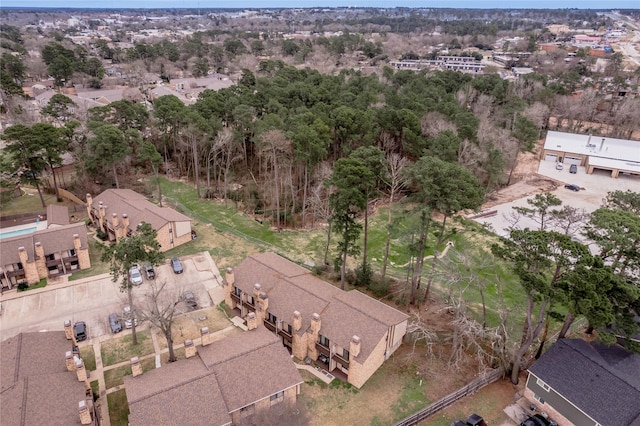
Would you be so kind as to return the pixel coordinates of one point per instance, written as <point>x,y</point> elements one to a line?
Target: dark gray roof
<point>603,382</point>
<point>36,387</point>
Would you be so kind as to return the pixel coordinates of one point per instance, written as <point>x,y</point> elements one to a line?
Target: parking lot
<point>92,299</point>
<point>594,188</point>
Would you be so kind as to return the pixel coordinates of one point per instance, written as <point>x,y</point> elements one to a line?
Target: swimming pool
<point>17,232</point>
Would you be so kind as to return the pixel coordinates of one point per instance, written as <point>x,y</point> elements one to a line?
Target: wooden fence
<point>443,403</point>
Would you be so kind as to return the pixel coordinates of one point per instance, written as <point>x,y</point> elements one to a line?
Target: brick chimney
<point>189,348</point>
<point>77,244</point>
<point>81,371</point>
<point>296,321</point>
<point>205,336</point>
<point>89,199</point>
<point>101,214</point>
<point>252,321</point>
<point>39,250</point>
<point>262,306</point>
<point>136,367</point>
<point>354,346</point>
<point>125,223</point>
<point>256,292</point>
<point>68,330</point>
<point>24,257</point>
<point>315,324</point>
<point>230,277</point>
<point>69,361</point>
<point>84,412</point>
<point>114,220</point>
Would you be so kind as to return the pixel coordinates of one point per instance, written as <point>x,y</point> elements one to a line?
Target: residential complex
<point>347,333</point>
<point>46,249</point>
<point>118,212</point>
<point>227,381</point>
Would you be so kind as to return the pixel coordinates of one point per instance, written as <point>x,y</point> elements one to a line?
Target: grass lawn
<point>97,266</point>
<point>89,357</point>
<point>115,376</point>
<point>488,402</point>
<point>41,283</point>
<point>188,326</point>
<point>118,408</point>
<point>120,349</point>
<point>95,388</point>
<point>30,203</point>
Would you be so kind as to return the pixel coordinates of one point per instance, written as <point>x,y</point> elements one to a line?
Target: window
<point>543,385</point>
<point>289,329</point>
<point>50,256</point>
<point>345,354</point>
<point>537,398</point>
<point>251,300</point>
<point>237,291</point>
<point>272,318</point>
<point>72,252</point>
<point>247,411</point>
<point>277,397</point>
<point>324,341</point>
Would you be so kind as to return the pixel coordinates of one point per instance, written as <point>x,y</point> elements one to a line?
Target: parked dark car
<point>80,331</point>
<point>573,169</point>
<point>535,420</point>
<point>476,420</point>
<point>176,265</point>
<point>114,323</point>
<point>573,187</point>
<point>149,272</point>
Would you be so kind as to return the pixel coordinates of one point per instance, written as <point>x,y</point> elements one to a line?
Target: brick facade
<point>123,210</point>
<point>304,343</point>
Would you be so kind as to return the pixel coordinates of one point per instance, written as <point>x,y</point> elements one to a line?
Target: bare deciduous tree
<point>160,305</point>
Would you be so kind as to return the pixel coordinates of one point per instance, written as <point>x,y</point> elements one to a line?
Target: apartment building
<point>346,333</point>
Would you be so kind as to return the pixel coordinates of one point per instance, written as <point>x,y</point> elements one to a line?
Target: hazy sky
<point>539,4</point>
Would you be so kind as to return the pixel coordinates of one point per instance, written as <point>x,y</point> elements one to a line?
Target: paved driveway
<point>91,300</point>
<point>595,186</point>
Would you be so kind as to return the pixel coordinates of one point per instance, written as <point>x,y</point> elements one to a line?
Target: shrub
<point>364,275</point>
<point>23,286</point>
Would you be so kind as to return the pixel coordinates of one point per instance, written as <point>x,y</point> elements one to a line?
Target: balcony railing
<point>323,349</point>
<point>15,273</point>
<point>269,326</point>
<point>235,297</point>
<point>341,360</point>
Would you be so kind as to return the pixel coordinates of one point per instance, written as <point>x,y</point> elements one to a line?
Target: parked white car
<point>135,276</point>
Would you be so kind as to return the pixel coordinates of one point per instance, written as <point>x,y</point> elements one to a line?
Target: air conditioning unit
<point>545,415</point>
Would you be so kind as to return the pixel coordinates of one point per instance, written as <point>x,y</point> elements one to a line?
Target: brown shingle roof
<point>184,392</point>
<point>226,376</point>
<point>247,377</point>
<point>368,305</point>
<point>53,240</point>
<point>9,248</point>
<point>291,287</point>
<point>36,386</point>
<point>136,206</point>
<point>57,215</point>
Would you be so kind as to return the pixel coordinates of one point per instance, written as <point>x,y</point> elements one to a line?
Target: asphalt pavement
<point>92,299</point>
